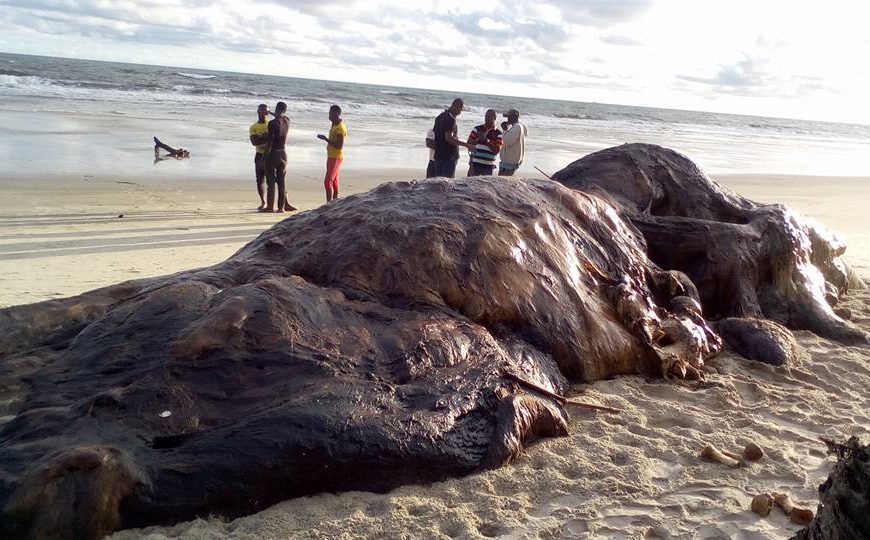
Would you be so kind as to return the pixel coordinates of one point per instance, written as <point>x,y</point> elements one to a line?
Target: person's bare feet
<point>261,207</point>
<point>289,207</point>
<point>265,210</point>
<point>279,211</point>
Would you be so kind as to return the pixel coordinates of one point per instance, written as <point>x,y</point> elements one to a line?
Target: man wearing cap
<point>259,133</point>
<point>514,144</point>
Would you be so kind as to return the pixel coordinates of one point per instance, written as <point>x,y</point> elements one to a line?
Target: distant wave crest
<point>24,81</point>
<point>195,75</point>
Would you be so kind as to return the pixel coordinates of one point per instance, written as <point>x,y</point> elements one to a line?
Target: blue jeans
<point>446,167</point>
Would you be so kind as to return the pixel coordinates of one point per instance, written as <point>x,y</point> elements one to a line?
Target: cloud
<point>754,77</point>
<point>498,30</point>
<point>601,13</point>
<point>744,77</point>
<point>613,39</point>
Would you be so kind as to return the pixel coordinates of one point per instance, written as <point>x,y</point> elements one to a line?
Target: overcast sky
<point>793,58</point>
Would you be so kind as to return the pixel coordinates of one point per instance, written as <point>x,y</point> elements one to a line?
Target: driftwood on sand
<point>366,344</point>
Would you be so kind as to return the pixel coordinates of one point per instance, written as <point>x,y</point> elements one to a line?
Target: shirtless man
<point>276,161</point>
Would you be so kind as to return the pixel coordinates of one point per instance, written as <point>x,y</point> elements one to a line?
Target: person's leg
<point>260,175</point>
<point>327,178</point>
<point>280,177</point>
<point>430,169</point>
<point>336,180</point>
<point>271,179</point>
<point>158,144</point>
<point>506,169</point>
<point>480,170</point>
<point>451,168</point>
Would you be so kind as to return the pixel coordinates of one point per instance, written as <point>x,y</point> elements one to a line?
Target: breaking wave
<point>195,75</point>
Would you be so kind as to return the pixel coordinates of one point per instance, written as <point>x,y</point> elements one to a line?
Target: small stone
<point>761,504</point>
<point>752,452</point>
<point>120,215</point>
<point>801,516</point>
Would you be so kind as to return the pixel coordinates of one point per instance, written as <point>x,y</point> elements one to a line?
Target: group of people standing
<point>270,160</point>
<point>485,144</point>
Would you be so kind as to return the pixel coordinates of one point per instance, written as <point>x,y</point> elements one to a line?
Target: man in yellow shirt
<point>334,152</point>
<point>259,133</point>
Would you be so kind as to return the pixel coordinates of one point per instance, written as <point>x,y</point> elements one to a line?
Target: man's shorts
<point>507,169</point>
<point>260,168</point>
<point>478,169</point>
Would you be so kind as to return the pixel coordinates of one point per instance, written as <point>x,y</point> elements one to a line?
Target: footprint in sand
<point>749,394</point>
<point>492,530</point>
<point>573,528</point>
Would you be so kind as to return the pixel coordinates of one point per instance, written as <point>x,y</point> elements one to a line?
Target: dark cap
<point>512,112</point>
<point>262,107</point>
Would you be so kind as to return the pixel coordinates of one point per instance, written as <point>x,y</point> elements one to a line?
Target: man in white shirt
<point>514,148</point>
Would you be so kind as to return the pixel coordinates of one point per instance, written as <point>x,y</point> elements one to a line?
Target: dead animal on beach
<point>746,259</point>
<point>397,345</point>
<point>377,341</point>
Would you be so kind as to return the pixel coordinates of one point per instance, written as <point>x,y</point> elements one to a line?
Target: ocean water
<point>62,116</point>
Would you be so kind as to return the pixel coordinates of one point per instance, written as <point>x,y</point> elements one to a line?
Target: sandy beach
<point>635,474</point>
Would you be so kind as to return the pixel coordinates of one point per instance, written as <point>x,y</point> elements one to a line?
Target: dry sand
<point>630,475</point>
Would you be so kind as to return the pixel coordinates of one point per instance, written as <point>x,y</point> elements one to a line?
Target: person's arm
<point>494,143</point>
<point>450,136</point>
<point>511,135</point>
<point>259,138</point>
<point>337,143</point>
<point>472,137</point>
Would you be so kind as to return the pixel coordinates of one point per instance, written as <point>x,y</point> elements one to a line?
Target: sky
<point>790,58</point>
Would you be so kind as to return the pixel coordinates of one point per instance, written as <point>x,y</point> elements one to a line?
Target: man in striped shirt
<point>486,140</point>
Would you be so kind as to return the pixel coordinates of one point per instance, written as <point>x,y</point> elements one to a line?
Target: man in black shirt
<point>276,161</point>
<point>446,143</point>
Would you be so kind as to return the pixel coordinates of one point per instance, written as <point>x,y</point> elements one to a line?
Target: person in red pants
<point>334,152</point>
